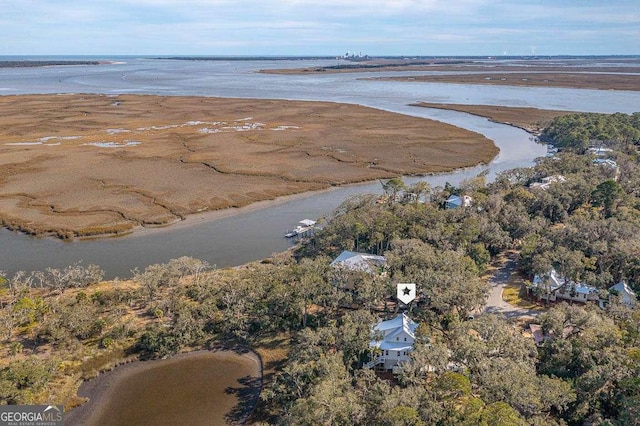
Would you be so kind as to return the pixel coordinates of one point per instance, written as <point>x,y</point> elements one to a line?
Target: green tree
<point>448,279</point>
<point>393,187</point>
<point>403,416</point>
<point>607,195</point>
<point>501,414</point>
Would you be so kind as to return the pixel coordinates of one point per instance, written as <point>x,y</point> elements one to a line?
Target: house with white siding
<point>392,341</point>
<point>552,287</point>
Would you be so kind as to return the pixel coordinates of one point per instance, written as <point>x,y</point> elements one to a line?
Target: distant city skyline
<point>327,28</point>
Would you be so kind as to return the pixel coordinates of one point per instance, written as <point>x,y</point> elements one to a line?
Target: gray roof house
<point>359,261</point>
<point>627,296</point>
<point>553,286</point>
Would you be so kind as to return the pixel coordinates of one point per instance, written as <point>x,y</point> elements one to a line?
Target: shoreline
<point>510,116</point>
<point>212,215</point>
<point>98,390</point>
<point>197,218</point>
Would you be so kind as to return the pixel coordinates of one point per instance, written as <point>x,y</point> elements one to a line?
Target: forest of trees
<point>465,369</point>
<point>579,131</point>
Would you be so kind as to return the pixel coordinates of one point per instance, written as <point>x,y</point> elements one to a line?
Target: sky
<point>320,27</point>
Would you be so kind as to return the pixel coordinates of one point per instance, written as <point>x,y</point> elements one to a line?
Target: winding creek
<point>256,233</point>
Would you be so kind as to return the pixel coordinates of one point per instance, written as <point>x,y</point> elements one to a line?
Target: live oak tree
<point>448,279</point>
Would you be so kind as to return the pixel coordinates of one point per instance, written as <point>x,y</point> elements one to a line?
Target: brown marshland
<point>81,165</point>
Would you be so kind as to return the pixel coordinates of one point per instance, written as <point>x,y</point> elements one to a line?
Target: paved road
<point>498,282</point>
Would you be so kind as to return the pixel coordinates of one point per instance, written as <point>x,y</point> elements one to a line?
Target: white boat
<point>305,225</point>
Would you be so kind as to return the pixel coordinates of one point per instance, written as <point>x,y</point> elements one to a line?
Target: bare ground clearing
<point>81,165</point>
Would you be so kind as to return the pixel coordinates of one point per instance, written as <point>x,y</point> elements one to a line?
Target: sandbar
<point>98,165</point>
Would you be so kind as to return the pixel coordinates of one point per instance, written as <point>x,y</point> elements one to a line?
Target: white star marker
<point>406,292</point>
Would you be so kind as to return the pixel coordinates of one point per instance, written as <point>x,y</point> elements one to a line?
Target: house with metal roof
<point>364,262</point>
<point>624,292</point>
<point>552,286</point>
<point>547,182</point>
<point>454,201</point>
<point>392,341</point>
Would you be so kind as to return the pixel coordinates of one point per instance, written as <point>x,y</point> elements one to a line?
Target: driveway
<point>498,282</point>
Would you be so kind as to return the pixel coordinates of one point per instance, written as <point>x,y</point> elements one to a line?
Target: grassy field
<point>515,294</point>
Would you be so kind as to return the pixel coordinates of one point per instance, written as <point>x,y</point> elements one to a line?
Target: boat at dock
<point>302,228</point>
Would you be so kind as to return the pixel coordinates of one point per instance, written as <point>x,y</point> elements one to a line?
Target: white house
<point>605,162</point>
<point>553,286</point>
<point>392,341</point>
<point>359,261</point>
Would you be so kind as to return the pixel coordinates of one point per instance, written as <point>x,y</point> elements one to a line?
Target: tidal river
<point>256,233</point>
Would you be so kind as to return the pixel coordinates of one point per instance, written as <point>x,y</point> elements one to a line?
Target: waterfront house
<point>392,341</point>
<point>362,262</point>
<point>605,162</point>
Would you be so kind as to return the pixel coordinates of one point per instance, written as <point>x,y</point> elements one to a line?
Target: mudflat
<point>85,165</point>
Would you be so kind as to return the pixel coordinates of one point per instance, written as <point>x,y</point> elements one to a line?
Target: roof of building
<point>391,329</point>
<point>605,162</point>
<point>585,289</point>
<point>359,261</point>
<point>556,281</point>
<point>600,151</point>
<point>454,200</point>
<point>392,346</point>
<point>547,181</point>
<point>627,296</point>
<point>536,332</point>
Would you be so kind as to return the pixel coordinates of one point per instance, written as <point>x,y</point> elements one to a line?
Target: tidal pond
<point>199,388</point>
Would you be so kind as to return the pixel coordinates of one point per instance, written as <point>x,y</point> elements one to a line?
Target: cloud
<point>313,27</point>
